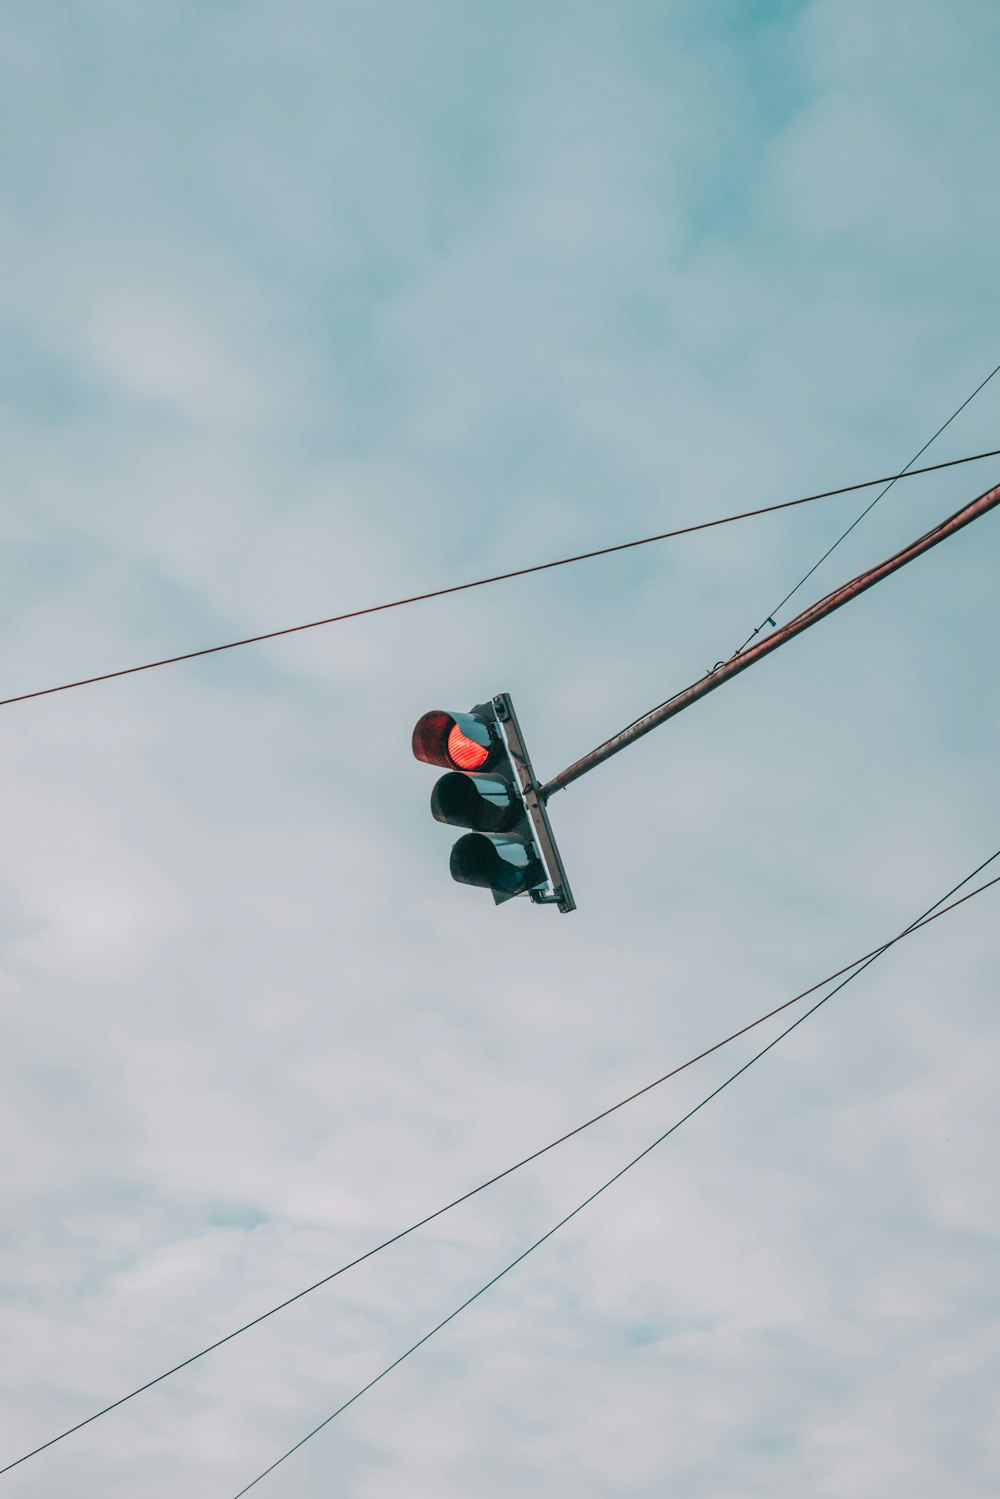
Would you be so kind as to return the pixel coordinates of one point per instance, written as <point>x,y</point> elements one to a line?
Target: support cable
<point>604,1187</point>
<point>724,670</point>
<point>509,1170</point>
<point>437,593</point>
<point>769,618</point>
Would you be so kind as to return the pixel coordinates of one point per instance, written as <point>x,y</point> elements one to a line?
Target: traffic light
<point>490,788</point>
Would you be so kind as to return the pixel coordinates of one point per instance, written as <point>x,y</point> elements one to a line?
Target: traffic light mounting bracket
<point>561,895</point>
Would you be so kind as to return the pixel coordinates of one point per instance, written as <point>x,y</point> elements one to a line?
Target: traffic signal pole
<point>731,668</point>
<point>560,895</point>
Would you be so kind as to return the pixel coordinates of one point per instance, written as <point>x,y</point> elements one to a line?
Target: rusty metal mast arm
<point>740,662</point>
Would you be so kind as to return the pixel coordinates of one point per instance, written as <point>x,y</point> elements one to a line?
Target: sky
<point>304,307</point>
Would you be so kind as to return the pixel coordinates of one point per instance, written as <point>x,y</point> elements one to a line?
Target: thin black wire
<point>609,1183</point>
<point>769,618</point>
<point>809,615</point>
<point>437,593</point>
<point>508,1171</point>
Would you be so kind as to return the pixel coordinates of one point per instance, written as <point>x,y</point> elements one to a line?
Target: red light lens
<point>430,738</point>
<point>465,753</point>
<point>458,741</point>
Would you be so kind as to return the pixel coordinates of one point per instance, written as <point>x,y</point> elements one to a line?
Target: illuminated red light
<point>430,737</point>
<point>458,741</point>
<point>465,753</point>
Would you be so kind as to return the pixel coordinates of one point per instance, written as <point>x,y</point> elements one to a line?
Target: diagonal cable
<point>508,1171</point>
<point>877,953</point>
<point>438,593</point>
<point>909,469</point>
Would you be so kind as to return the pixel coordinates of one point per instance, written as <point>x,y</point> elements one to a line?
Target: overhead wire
<point>769,619</point>
<point>724,671</point>
<point>509,1170</point>
<point>612,1180</point>
<point>437,593</point>
<point>857,966</point>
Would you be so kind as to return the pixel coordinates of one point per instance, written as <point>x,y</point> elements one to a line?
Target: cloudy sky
<point>306,306</point>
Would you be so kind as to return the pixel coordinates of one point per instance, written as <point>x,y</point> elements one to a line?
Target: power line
<point>725,670</point>
<point>609,1183</point>
<point>437,593</point>
<point>769,618</point>
<point>508,1171</point>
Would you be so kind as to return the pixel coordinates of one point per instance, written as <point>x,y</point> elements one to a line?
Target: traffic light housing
<point>490,789</point>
